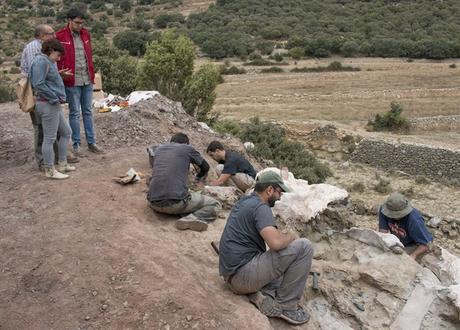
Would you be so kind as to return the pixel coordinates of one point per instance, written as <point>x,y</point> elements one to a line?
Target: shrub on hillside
<point>296,53</point>
<point>332,67</point>
<point>132,41</point>
<point>271,143</point>
<point>167,65</point>
<point>383,187</point>
<point>231,70</point>
<point>273,69</point>
<point>392,120</point>
<point>259,62</point>
<point>6,89</point>
<point>163,20</point>
<point>198,94</point>
<point>227,126</point>
<point>119,71</point>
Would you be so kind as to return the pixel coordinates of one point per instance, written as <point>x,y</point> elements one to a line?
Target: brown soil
<point>87,253</point>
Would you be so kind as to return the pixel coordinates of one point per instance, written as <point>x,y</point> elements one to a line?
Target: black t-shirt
<point>241,240</point>
<point>235,163</point>
<point>170,171</point>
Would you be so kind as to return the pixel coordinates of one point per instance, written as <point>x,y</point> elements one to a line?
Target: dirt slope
<point>88,253</point>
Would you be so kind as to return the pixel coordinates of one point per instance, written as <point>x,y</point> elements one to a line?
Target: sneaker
<point>191,222</point>
<point>94,148</point>
<point>296,317</point>
<point>51,173</point>
<point>64,167</point>
<point>72,159</point>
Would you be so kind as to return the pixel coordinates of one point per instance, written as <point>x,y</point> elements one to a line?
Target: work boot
<point>191,222</point>
<point>295,317</point>
<point>95,148</point>
<point>265,304</point>
<point>76,150</point>
<point>72,159</point>
<point>64,167</point>
<point>50,172</point>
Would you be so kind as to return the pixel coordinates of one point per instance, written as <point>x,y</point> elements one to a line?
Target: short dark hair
<point>180,138</point>
<point>52,45</point>
<point>75,12</point>
<point>260,187</point>
<point>214,145</point>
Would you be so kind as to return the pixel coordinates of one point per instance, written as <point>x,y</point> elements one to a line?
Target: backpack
<point>25,95</point>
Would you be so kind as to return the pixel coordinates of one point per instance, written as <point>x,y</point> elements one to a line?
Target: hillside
<point>88,253</point>
<point>419,29</point>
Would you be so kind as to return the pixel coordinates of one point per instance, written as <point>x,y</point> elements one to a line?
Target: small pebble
<point>189,318</point>
<point>87,318</point>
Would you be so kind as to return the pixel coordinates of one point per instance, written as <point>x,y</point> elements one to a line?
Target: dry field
<point>424,88</point>
<point>191,6</point>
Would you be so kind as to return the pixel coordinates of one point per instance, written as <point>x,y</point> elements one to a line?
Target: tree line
<point>416,29</point>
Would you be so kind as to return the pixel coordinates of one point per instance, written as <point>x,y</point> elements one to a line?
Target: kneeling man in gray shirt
<point>168,191</point>
<point>274,280</point>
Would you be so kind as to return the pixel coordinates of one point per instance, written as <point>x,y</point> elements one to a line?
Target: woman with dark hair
<point>49,89</point>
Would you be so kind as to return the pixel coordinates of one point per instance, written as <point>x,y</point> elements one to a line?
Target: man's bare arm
<point>275,239</point>
<point>419,250</point>
<point>221,179</point>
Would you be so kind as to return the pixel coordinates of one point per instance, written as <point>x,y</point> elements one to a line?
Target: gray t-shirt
<point>170,171</point>
<point>241,240</point>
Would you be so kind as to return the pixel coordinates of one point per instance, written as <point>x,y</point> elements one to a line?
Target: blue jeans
<point>81,97</point>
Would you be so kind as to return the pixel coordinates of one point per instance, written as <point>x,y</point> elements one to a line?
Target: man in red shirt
<point>78,59</point>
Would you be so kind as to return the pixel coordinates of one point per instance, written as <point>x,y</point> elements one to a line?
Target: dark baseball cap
<point>274,178</point>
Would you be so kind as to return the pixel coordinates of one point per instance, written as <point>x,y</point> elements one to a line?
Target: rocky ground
<point>88,253</point>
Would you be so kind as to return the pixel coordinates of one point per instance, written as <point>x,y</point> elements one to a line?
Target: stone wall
<point>436,123</point>
<point>435,163</point>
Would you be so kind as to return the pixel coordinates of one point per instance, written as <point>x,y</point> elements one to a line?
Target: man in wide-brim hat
<point>398,217</point>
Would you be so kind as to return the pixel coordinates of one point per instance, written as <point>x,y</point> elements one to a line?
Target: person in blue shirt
<point>232,166</point>
<point>398,217</point>
<point>49,89</point>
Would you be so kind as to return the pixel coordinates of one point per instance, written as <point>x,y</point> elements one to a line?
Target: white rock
<point>248,145</point>
<point>304,201</point>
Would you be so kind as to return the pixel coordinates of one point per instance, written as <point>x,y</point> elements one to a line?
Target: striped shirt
<point>81,65</point>
<point>31,50</point>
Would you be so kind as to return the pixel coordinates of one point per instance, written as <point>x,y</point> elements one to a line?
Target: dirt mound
<point>15,135</point>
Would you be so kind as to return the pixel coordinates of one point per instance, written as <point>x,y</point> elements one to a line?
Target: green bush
<point>392,120</point>
<point>332,67</point>
<point>167,65</point>
<point>383,187</point>
<point>296,53</point>
<point>227,126</point>
<point>231,70</point>
<point>198,94</point>
<point>254,56</point>
<point>258,62</point>
<point>452,66</point>
<point>273,69</point>
<point>358,187</point>
<point>15,70</point>
<point>271,143</point>
<point>118,69</point>
<point>121,79</point>
<point>163,20</point>
<point>278,57</point>
<point>6,89</point>
<point>132,41</point>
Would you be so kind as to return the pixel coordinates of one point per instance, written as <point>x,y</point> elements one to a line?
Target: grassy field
<point>422,87</point>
